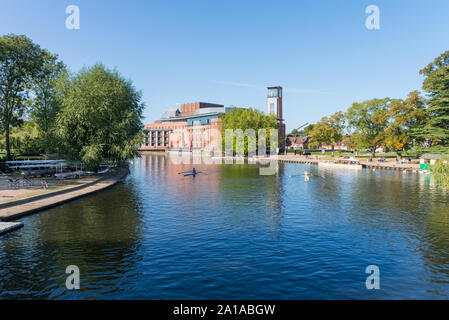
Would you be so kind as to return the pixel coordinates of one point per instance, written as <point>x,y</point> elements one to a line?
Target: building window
<point>273,93</point>
<point>272,108</point>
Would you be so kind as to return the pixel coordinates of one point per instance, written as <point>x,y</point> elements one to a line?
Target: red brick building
<point>196,126</point>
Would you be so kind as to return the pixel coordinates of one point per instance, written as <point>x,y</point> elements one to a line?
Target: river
<point>233,234</point>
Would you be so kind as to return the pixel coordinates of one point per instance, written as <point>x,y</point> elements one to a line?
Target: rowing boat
<point>192,174</point>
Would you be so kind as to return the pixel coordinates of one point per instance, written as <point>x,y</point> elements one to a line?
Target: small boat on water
<point>192,173</point>
<point>348,163</point>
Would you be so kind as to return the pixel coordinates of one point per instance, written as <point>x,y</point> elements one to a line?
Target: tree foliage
<point>406,117</point>
<point>440,171</point>
<point>328,131</point>
<point>369,120</point>
<point>25,138</point>
<point>294,132</point>
<point>100,118</point>
<point>244,119</point>
<point>436,84</point>
<point>47,87</point>
<point>307,130</point>
<point>20,62</point>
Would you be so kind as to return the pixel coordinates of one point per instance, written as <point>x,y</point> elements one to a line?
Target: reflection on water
<point>99,234</point>
<point>231,233</point>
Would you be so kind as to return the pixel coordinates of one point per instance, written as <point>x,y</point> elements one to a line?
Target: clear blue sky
<point>229,51</point>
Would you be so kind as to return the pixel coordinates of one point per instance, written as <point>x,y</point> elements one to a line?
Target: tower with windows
<point>274,106</point>
<point>274,101</point>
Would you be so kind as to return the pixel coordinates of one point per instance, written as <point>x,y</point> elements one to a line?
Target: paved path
<point>6,227</point>
<point>33,187</point>
<point>17,211</point>
<point>392,165</point>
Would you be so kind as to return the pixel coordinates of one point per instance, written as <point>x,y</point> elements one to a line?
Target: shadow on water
<point>100,234</point>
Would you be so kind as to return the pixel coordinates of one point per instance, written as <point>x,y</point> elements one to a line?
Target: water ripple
<point>235,234</point>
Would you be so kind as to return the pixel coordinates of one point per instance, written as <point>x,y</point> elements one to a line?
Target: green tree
<point>304,132</point>
<point>436,84</point>
<point>19,63</point>
<point>328,131</point>
<point>440,172</point>
<point>100,118</point>
<point>369,120</point>
<point>294,132</point>
<point>355,141</point>
<point>25,138</point>
<point>47,86</point>
<point>407,116</point>
<point>321,133</point>
<point>307,130</point>
<point>244,119</point>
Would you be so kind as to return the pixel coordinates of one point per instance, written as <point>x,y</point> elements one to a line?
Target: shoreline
<point>28,206</point>
<point>6,227</point>
<point>39,194</point>
<point>388,165</point>
<point>410,167</point>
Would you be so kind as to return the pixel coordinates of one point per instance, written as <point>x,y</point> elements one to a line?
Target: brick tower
<point>274,106</point>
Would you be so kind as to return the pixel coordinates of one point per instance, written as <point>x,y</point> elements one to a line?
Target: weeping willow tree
<point>101,117</point>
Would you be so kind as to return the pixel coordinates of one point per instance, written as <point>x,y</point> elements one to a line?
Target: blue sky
<point>229,51</point>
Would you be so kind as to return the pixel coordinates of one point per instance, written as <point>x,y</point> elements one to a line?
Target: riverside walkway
<point>15,209</point>
<point>375,164</point>
<point>6,227</point>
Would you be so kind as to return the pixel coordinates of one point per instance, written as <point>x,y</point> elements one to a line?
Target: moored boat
<point>349,163</point>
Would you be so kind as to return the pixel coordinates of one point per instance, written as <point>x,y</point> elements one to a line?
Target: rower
<point>193,171</point>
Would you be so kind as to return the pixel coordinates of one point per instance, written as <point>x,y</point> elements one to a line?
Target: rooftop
<point>203,112</point>
<point>170,113</point>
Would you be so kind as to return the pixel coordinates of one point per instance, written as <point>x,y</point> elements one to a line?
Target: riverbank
<point>375,164</point>
<point>390,164</point>
<point>32,189</point>
<point>34,203</point>
<point>6,227</point>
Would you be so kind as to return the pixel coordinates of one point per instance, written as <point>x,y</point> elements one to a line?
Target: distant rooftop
<point>170,113</point>
<point>217,109</point>
<point>175,115</point>
<point>204,104</point>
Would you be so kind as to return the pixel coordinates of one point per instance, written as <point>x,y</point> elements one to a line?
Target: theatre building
<point>196,126</point>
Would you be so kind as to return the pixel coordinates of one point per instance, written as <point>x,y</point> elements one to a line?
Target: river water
<point>233,234</point>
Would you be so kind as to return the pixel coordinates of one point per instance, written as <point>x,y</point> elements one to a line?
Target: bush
<point>440,171</point>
